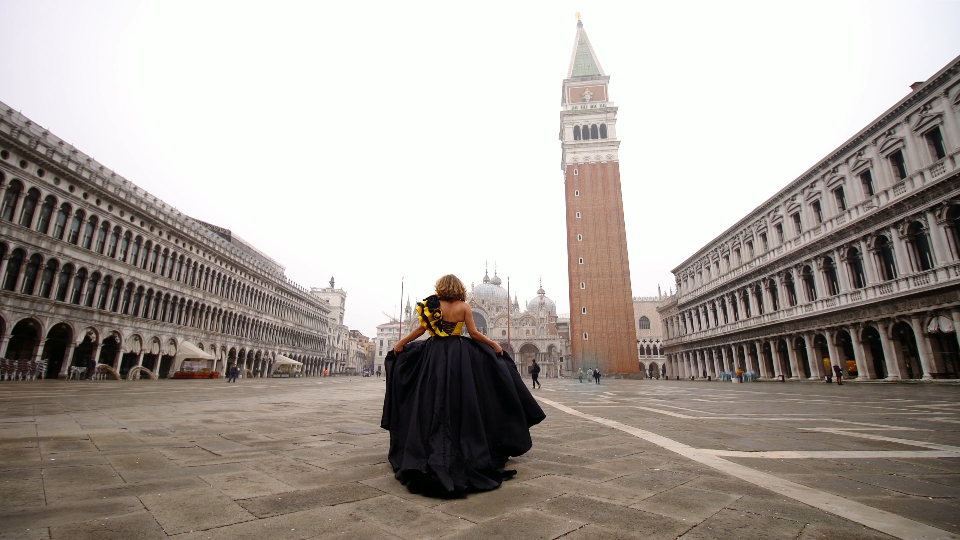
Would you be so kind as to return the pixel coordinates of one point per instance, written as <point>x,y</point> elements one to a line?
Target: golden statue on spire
<point>578,15</point>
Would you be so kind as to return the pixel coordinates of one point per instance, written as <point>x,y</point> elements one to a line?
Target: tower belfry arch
<point>601,300</point>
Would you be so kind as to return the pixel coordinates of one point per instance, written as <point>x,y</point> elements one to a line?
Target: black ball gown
<point>456,411</point>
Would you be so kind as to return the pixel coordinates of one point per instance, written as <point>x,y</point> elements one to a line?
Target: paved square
<point>300,459</point>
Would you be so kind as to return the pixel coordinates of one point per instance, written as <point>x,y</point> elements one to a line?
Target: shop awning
<point>190,351</point>
<point>280,360</point>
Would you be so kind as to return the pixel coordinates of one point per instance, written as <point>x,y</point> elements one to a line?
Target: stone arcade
<point>95,267</point>
<point>854,264</point>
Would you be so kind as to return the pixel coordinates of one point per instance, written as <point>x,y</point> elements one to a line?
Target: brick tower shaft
<point>601,301</point>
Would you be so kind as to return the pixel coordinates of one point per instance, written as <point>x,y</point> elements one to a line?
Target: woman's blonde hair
<point>450,288</point>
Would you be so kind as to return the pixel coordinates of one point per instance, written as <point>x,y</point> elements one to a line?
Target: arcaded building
<point>855,264</point>
<point>649,335</point>
<point>598,265</point>
<point>92,267</point>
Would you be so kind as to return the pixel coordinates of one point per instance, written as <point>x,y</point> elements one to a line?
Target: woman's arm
<point>417,332</point>
<point>475,334</point>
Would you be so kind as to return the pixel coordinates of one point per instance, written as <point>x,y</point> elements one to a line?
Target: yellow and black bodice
<point>431,318</point>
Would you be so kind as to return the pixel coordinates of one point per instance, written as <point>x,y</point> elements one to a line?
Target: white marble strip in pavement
<point>832,454</point>
<point>892,524</point>
<point>838,431</point>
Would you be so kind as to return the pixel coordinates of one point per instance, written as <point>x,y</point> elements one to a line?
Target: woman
<point>456,407</point>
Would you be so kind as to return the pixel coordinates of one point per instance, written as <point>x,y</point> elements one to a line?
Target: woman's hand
<point>497,348</point>
<point>398,349</point>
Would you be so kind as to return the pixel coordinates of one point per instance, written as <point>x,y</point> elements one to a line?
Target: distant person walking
<point>535,374</point>
<point>596,375</point>
<point>378,372</point>
<point>838,373</point>
<point>234,373</point>
<point>739,375</point>
<point>580,374</point>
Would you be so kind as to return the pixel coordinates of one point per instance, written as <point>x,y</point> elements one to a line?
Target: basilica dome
<point>534,305</point>
<point>490,292</point>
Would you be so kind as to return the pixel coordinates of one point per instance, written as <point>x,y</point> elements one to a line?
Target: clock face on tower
<point>587,95</point>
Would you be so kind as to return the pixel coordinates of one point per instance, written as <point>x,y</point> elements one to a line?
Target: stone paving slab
<point>294,459</point>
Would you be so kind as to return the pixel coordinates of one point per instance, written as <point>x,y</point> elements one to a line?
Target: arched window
<point>576,133</point>
<point>154,256</point>
<point>774,294</point>
<point>147,253</point>
<point>135,250</point>
<point>60,225</point>
<point>125,246</point>
<point>603,131</point>
<point>809,285</point>
<point>78,282</point>
<point>644,322</point>
<point>102,237</point>
<point>125,302</point>
<point>88,230</point>
<point>918,246</point>
<point>75,224</point>
<point>104,293</point>
<point>115,298</point>
<point>63,282</point>
<point>91,288</point>
<point>791,288</point>
<point>46,212</point>
<point>594,132</point>
<point>114,240</point>
<point>10,199</point>
<point>137,301</point>
<point>855,269</point>
<point>13,270</point>
<point>830,273</point>
<point>30,274</point>
<point>46,279</point>
<point>885,259</point>
<point>29,206</point>
<point>163,261</point>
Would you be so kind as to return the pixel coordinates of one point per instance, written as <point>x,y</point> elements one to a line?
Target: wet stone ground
<point>303,459</point>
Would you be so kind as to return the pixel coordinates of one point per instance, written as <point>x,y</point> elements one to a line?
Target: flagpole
<point>400,335</point>
<point>509,348</point>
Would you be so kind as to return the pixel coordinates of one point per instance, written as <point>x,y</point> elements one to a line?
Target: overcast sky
<point>379,140</point>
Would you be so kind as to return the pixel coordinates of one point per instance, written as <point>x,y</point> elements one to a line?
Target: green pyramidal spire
<point>584,62</point>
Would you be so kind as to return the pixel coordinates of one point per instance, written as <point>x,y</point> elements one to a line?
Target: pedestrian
<point>378,372</point>
<point>739,375</point>
<point>535,374</point>
<point>326,373</point>
<point>839,374</point>
<point>91,368</point>
<point>596,374</point>
<point>234,373</point>
<point>580,374</point>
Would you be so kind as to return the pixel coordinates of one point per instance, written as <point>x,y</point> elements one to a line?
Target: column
<point>818,279</point>
<point>923,347</point>
<point>723,357</point>
<point>767,297</point>
<point>117,359</point>
<point>762,361</point>
<point>775,357</point>
<point>21,273</point>
<point>843,278</point>
<point>792,357</point>
<point>3,271</point>
<point>864,370</point>
<point>67,360</point>
<point>869,264</point>
<point>835,359</point>
<point>900,253</point>
<point>813,360</point>
<point>954,314</point>
<point>39,351</point>
<point>716,362</point>
<point>799,285</point>
<point>4,341</point>
<point>896,368</point>
<point>938,240</point>
<point>140,358</point>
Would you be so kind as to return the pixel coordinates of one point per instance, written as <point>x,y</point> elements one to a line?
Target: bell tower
<point>601,300</point>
